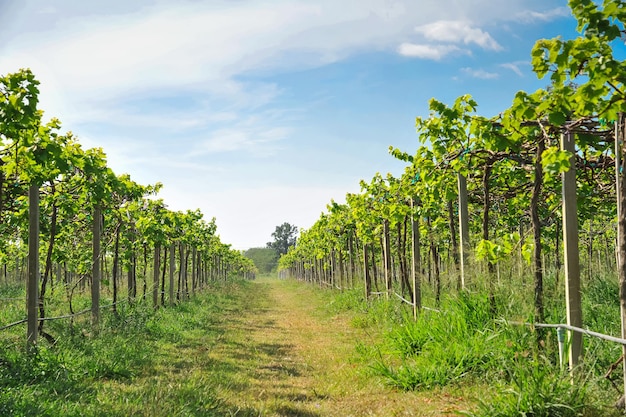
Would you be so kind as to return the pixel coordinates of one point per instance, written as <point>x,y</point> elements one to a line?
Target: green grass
<point>145,362</point>
<point>535,388</point>
<point>465,345</point>
<point>122,370</point>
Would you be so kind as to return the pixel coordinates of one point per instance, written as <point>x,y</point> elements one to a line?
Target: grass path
<point>283,354</point>
<point>263,348</point>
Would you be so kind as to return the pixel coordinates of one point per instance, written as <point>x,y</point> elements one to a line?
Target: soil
<point>288,356</point>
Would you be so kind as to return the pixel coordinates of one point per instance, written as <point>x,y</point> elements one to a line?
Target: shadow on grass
<point>295,412</point>
<point>193,360</point>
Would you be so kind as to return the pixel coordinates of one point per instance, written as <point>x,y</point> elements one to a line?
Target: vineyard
<point>70,228</point>
<point>498,228</point>
<point>488,279</point>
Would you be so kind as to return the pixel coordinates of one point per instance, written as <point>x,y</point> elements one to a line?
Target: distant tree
<point>265,259</point>
<point>284,237</point>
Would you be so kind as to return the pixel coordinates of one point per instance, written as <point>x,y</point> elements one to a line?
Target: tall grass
<point>467,343</point>
<point>68,378</point>
<point>441,347</point>
<point>535,388</point>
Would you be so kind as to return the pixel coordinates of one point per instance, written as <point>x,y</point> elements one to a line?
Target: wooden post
<point>333,268</point>
<point>352,262</point>
<point>571,257</point>
<point>156,267</point>
<point>132,266</point>
<point>366,272</point>
<point>415,261</point>
<point>95,268</point>
<point>620,174</point>
<point>194,270</point>
<point>387,256</point>
<point>33,266</point>
<point>342,285</point>
<point>172,271</point>
<point>463,227</point>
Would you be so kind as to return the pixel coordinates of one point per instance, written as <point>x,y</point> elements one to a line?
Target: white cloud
<point>530,16</point>
<point>123,118</point>
<point>452,31</point>
<point>252,139</point>
<point>480,73</point>
<point>200,46</point>
<point>434,52</point>
<point>102,53</point>
<point>47,10</point>
<point>515,66</point>
<point>94,58</point>
<point>226,140</point>
<point>148,163</point>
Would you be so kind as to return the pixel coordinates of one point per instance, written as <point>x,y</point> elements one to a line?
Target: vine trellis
<point>485,192</point>
<point>60,202</point>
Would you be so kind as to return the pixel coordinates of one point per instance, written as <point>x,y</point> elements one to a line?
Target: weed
<point>536,389</point>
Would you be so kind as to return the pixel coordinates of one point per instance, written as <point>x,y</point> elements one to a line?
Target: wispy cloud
<point>434,52</point>
<point>480,73</point>
<point>458,31</point>
<point>103,53</point>
<point>178,121</point>
<point>515,66</point>
<point>113,66</point>
<point>530,16</point>
<point>261,141</point>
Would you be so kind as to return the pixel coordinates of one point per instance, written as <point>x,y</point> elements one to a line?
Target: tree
<point>265,259</point>
<point>284,237</point>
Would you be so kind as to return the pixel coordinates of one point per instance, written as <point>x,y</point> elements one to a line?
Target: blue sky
<point>260,111</point>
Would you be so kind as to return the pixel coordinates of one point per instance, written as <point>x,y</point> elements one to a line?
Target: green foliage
<point>555,161</point>
<point>72,182</point>
<point>536,389</point>
<point>265,259</point>
<point>74,376</point>
<point>349,300</point>
<point>512,164</point>
<point>465,344</point>
<point>495,252</point>
<point>285,237</point>
<point>443,347</point>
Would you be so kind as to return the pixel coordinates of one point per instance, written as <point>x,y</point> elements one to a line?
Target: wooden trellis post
<point>33,266</point>
<point>95,268</point>
<point>415,261</point>
<point>463,227</point>
<point>155,274</point>
<point>621,226</point>
<point>172,270</point>
<point>387,257</point>
<point>571,255</point>
<point>366,272</point>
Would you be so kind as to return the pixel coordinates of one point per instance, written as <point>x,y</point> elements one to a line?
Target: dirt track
<point>286,356</point>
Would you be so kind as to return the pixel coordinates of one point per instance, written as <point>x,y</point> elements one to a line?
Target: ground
<point>293,358</point>
<point>272,348</point>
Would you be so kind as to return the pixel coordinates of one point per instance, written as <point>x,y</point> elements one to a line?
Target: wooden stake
<point>387,256</point>
<point>33,266</point>
<point>463,228</point>
<point>366,272</point>
<point>156,267</point>
<point>621,227</point>
<point>415,262</point>
<point>95,268</point>
<point>172,271</point>
<point>571,256</point>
